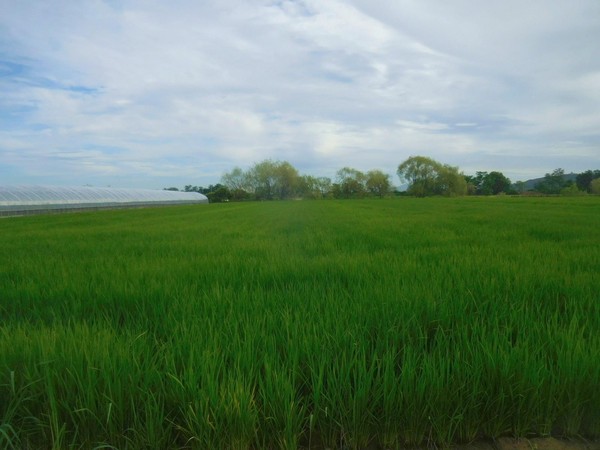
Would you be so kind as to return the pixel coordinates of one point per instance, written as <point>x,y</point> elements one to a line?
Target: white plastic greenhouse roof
<point>39,198</point>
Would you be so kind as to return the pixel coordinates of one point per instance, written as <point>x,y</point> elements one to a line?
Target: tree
<point>420,173</point>
<point>450,181</point>
<point>478,180</point>
<point>471,184</point>
<point>584,179</point>
<point>484,183</point>
<point>218,193</point>
<point>351,183</point>
<point>240,195</point>
<point>270,180</point>
<point>429,177</point>
<point>595,186</point>
<point>314,187</point>
<point>496,182</point>
<point>552,183</point>
<point>307,187</point>
<point>378,183</point>
<point>324,186</point>
<point>286,180</point>
<point>520,186</point>
<point>261,179</point>
<point>235,180</point>
<point>571,191</point>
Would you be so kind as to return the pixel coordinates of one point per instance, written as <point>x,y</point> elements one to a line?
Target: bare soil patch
<point>547,443</point>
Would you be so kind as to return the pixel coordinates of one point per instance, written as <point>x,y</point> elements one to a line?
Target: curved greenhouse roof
<point>30,199</point>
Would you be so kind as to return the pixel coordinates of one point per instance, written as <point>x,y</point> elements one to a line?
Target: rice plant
<point>313,324</point>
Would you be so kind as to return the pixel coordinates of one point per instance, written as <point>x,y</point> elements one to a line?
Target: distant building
<point>19,200</point>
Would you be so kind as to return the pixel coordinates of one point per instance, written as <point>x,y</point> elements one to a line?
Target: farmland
<point>307,324</point>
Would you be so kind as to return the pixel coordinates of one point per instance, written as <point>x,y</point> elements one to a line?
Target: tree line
<point>279,180</point>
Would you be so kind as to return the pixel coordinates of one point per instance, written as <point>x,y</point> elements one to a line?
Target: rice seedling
<point>333,324</point>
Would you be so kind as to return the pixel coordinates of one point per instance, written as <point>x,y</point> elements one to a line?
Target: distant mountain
<point>530,184</point>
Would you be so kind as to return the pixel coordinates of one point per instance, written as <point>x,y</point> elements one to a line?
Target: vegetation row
<point>271,180</point>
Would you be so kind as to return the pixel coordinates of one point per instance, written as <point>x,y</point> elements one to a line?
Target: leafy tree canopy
<point>378,183</point>
<point>351,183</point>
<point>553,182</point>
<point>584,179</point>
<point>492,183</point>
<point>429,177</point>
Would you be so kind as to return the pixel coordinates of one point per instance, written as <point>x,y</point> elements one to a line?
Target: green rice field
<point>377,324</point>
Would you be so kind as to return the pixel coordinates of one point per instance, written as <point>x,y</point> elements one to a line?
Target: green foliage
<point>595,186</point>
<point>216,193</point>
<point>351,183</point>
<point>271,180</point>
<point>236,180</point>
<point>571,190</point>
<point>219,194</point>
<point>520,187</point>
<point>553,182</point>
<point>274,180</point>
<point>497,183</point>
<point>420,172</point>
<point>450,182</point>
<point>314,187</point>
<point>266,180</point>
<point>428,177</point>
<point>492,183</point>
<point>584,179</point>
<point>378,183</point>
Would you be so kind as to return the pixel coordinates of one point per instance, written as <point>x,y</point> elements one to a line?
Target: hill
<point>530,184</point>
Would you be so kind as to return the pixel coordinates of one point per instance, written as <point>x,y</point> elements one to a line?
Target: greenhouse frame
<point>22,200</point>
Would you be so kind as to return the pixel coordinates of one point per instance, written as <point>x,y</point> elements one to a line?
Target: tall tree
<point>491,183</point>
<point>378,183</point>
<point>351,183</point>
<point>552,182</point>
<point>450,181</point>
<point>218,193</point>
<point>287,180</point>
<point>520,186</point>
<point>314,187</point>
<point>429,177</point>
<point>270,180</point>
<point>495,183</point>
<point>324,186</point>
<point>235,180</point>
<point>584,179</point>
<point>420,173</point>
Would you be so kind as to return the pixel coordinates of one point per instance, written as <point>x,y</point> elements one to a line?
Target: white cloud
<point>187,89</point>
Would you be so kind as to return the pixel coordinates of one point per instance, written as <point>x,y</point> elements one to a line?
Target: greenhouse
<point>18,200</point>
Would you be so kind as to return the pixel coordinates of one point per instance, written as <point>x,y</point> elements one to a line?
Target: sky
<point>153,94</point>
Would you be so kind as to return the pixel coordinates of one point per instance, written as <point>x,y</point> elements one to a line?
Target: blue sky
<point>149,94</point>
